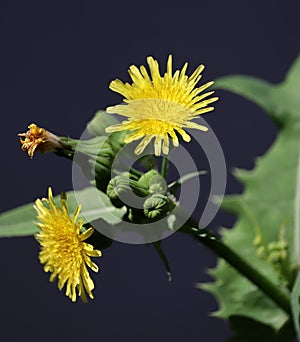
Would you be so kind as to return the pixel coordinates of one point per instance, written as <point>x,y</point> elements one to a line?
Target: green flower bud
<point>156,206</point>
<point>118,187</point>
<point>154,182</point>
<point>122,187</point>
<point>277,252</point>
<point>157,185</point>
<point>145,178</point>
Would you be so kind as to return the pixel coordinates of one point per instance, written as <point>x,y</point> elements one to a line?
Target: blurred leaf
<point>248,330</point>
<point>20,221</point>
<point>267,203</point>
<point>101,120</point>
<point>96,128</point>
<point>280,101</point>
<point>296,288</point>
<point>295,304</point>
<point>253,89</point>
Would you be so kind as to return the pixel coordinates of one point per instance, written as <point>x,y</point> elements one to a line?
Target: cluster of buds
<point>150,192</point>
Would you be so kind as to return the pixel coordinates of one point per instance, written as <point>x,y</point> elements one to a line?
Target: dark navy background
<point>57,59</point>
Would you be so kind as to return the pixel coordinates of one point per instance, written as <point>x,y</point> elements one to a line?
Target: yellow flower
<point>160,106</point>
<point>39,139</point>
<point>63,250</point>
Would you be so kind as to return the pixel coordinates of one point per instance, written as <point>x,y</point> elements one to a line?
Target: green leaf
<point>249,87</point>
<point>266,208</point>
<point>295,304</point>
<point>281,101</point>
<point>96,128</point>
<point>100,121</point>
<point>296,288</point>
<point>248,330</point>
<point>20,221</point>
<point>297,215</point>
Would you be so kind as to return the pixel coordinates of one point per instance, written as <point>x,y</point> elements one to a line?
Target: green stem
<point>164,167</point>
<point>136,172</point>
<point>163,257</point>
<point>272,290</point>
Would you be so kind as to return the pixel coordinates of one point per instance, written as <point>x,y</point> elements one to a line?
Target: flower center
<point>159,109</point>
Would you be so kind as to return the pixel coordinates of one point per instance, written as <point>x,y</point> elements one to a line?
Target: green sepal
<point>94,156</point>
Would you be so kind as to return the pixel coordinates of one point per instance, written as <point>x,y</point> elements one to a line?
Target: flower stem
<point>272,290</point>
<point>136,172</point>
<point>164,167</point>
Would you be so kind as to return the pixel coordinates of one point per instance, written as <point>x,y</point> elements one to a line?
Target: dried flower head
<point>38,139</point>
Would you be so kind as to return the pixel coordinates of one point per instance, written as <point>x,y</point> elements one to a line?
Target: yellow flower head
<point>160,106</point>
<point>63,250</point>
<point>39,139</point>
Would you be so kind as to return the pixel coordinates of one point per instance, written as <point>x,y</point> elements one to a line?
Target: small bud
<point>156,206</point>
<point>145,178</point>
<point>123,191</point>
<point>157,185</point>
<point>154,182</point>
<point>116,186</point>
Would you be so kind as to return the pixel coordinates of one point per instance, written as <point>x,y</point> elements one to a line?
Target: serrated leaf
<point>267,203</point>
<point>20,221</point>
<point>280,101</point>
<point>249,87</point>
<point>296,288</point>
